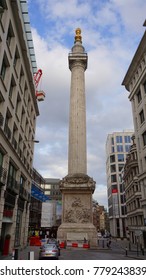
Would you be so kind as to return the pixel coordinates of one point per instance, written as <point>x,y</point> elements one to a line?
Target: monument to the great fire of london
<point>77,187</point>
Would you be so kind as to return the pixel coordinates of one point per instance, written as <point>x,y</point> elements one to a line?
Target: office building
<point>133,196</point>
<point>117,146</point>
<point>135,83</point>
<point>18,113</point>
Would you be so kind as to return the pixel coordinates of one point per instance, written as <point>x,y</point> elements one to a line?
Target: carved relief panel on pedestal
<point>77,209</point>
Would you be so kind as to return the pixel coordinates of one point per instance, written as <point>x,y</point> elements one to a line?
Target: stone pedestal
<point>77,215</point>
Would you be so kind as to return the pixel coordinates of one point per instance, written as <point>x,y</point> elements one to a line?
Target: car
<point>49,251</point>
<point>54,241</point>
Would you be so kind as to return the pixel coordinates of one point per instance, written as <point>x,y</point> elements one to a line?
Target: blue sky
<point>111,32</point>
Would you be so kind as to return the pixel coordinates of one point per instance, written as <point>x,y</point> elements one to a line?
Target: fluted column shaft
<point>77,155</point>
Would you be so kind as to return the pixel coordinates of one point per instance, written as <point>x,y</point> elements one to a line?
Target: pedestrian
<point>107,244</point>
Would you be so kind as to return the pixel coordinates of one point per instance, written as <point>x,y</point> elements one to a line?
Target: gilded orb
<point>78,37</point>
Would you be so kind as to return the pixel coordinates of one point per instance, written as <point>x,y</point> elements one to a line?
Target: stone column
<point>77,162</point>
<point>77,187</point>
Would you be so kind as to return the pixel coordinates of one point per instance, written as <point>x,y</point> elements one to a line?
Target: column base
<point>77,214</point>
<point>77,233</point>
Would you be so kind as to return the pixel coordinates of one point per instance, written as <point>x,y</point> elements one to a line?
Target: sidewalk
<point>24,254</point>
<point>131,250</point>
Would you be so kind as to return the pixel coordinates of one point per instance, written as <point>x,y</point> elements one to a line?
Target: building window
<point>139,98</point>
<point>119,148</point>
<point>18,106</point>
<point>123,210</point>
<point>141,115</point>
<point>1,159</point>
<point>144,85</point>
<point>113,178</point>
<point>113,149</point>
<point>120,167</point>
<point>122,198</point>
<point>127,138</point>
<point>12,85</point>
<point>112,158</point>
<point>16,57</point>
<point>7,129</point>
<point>122,189</point>
<point>118,139</point>
<point>144,138</point>
<point>112,140</point>
<point>21,80</point>
<point>5,64</point>
<point>120,157</point>
<point>127,148</point>
<point>22,182</point>
<point>47,192</point>
<point>113,168</point>
<point>18,227</point>
<point>11,175</point>
<point>10,34</point>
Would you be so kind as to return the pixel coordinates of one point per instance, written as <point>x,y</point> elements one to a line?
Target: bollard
<point>13,254</point>
<point>16,254</point>
<point>126,251</point>
<point>142,250</point>
<point>31,255</point>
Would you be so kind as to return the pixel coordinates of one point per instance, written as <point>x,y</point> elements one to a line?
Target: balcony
<point>13,185</point>
<point>3,176</point>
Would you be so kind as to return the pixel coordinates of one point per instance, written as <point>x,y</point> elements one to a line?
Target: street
<point>117,251</point>
<point>80,254</point>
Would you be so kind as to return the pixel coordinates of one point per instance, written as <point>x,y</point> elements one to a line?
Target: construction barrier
<point>35,241</point>
<point>78,244</point>
<point>62,244</point>
<point>86,245</point>
<point>75,245</point>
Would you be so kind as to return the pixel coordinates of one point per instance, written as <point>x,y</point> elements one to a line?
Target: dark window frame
<point>144,138</point>
<point>141,115</point>
<point>139,97</point>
